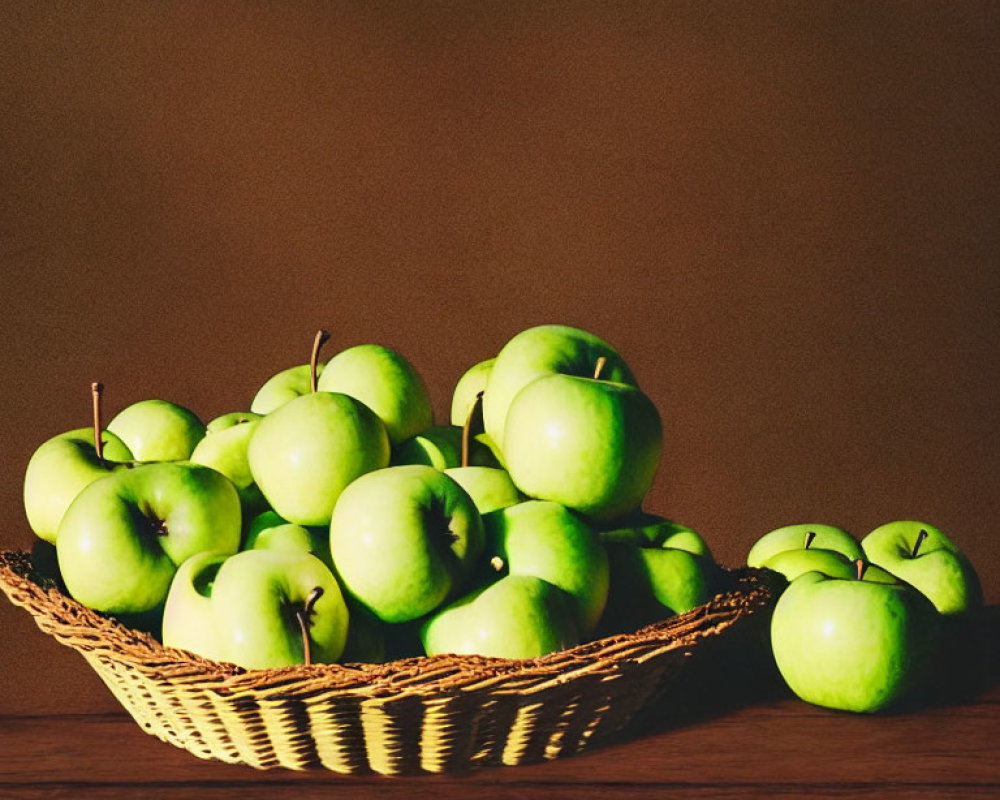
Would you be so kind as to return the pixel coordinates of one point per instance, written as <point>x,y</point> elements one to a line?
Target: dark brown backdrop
<point>784,215</point>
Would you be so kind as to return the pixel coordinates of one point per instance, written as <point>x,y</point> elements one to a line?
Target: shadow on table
<point>969,659</point>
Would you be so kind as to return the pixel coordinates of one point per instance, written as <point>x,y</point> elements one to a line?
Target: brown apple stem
<point>95,391</point>
<point>467,428</point>
<point>862,566</point>
<point>318,342</point>
<point>809,538</point>
<point>599,367</point>
<point>920,540</point>
<point>302,615</point>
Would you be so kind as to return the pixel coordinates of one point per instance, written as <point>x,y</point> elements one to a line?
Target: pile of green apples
<point>333,520</point>
<point>860,626</point>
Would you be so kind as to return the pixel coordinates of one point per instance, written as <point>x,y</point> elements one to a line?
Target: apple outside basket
<point>433,714</point>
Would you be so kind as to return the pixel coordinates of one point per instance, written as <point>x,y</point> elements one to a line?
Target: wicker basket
<point>435,714</point>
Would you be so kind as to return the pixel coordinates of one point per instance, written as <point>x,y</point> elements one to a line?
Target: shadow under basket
<point>439,714</point>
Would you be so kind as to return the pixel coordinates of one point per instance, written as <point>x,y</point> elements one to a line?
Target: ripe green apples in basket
<point>333,521</point>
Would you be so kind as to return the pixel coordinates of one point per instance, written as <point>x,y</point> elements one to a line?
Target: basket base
<point>443,714</point>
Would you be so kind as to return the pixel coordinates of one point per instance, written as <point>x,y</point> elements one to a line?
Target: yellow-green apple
<point>384,381</point>
<point>123,537</point>
<point>489,487</point>
<point>224,448</point>
<point>464,398</point>
<point>487,482</point>
<point>60,468</point>
<point>403,539</point>
<point>792,563</point>
<point>158,430</point>
<point>304,453</point>
<point>803,536</point>
<point>268,531</point>
<point>188,622</point>
<point>482,477</point>
<point>588,443</point>
<point>281,387</point>
<point>856,644</point>
<point>548,541</point>
<point>440,446</point>
<point>291,382</point>
<point>485,440</point>
<point>518,616</point>
<point>926,558</point>
<point>653,530</point>
<point>540,351</point>
<point>652,582</point>
<point>276,608</point>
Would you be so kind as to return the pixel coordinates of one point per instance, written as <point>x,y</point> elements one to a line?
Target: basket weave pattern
<point>434,714</point>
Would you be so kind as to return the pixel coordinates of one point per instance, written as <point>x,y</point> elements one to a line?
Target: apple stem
<point>302,615</point>
<point>321,337</point>
<point>809,538</point>
<point>467,428</point>
<point>862,566</point>
<point>599,367</point>
<point>95,390</point>
<point>920,540</point>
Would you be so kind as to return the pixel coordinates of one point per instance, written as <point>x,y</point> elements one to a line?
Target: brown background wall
<point>784,215</point>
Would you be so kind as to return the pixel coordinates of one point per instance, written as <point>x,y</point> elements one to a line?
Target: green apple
<point>538,352</point>
<point>792,563</point>
<point>802,536</point>
<point>485,440</point>
<point>384,381</point>
<point>923,556</point>
<point>188,622</point>
<point>854,645</point>
<point>466,459</point>
<point>60,468</point>
<point>291,382</point>
<point>440,446</point>
<point>590,444</point>
<point>653,530</point>
<point>123,537</point>
<point>489,487</point>
<point>403,539</point>
<point>158,430</point>
<point>546,540</point>
<point>649,583</point>
<point>268,531</point>
<point>281,387</point>
<point>231,419</point>
<point>303,454</point>
<point>224,448</point>
<point>275,608</point>
<point>486,481</point>
<point>465,396</point>
<point>518,616</point>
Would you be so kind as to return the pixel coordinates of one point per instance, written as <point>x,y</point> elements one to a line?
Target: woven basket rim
<point>97,635</point>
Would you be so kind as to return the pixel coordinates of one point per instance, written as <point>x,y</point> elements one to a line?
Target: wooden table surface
<point>753,740</point>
